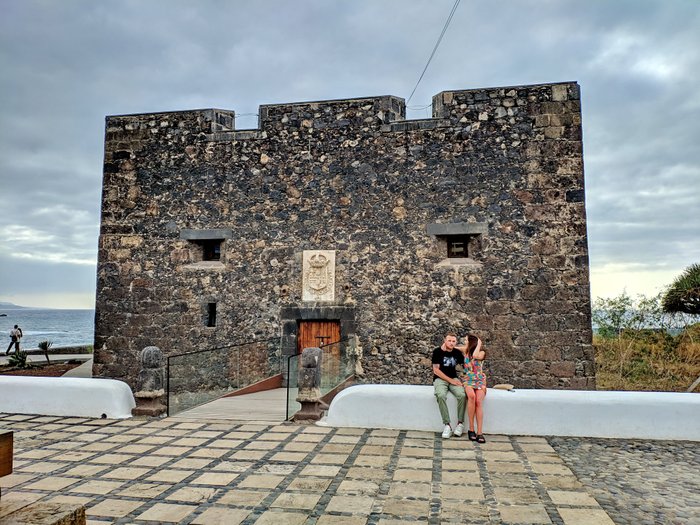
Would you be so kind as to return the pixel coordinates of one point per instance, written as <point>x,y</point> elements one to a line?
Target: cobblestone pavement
<point>205,472</point>
<point>638,482</point>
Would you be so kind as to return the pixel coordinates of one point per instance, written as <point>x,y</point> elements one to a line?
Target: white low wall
<point>609,414</point>
<point>66,396</point>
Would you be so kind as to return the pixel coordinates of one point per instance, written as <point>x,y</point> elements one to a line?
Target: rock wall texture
<point>501,166</point>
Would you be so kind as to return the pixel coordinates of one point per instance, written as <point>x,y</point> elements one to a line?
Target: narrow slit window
<point>211,315</point>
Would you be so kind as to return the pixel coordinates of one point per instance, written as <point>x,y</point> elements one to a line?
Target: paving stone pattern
<point>205,472</point>
<point>638,482</point>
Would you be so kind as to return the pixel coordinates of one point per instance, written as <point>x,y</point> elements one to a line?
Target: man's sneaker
<point>459,429</point>
<point>446,432</point>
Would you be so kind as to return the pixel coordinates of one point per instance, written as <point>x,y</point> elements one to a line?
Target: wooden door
<point>317,333</point>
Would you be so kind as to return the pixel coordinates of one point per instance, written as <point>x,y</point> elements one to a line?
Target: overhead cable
<point>437,44</point>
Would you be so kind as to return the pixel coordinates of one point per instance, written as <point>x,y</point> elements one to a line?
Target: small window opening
<point>458,246</point>
<point>211,315</point>
<point>211,250</point>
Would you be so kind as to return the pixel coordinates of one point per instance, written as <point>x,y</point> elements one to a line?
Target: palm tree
<point>683,296</point>
<point>45,345</point>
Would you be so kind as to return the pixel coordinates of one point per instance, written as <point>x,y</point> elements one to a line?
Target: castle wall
<point>502,165</point>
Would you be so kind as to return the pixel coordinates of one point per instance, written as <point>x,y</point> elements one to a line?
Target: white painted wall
<point>640,415</point>
<point>66,396</point>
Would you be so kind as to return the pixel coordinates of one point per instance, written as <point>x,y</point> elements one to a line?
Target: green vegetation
<point>45,345</point>
<point>19,360</point>
<point>684,293</point>
<point>640,346</point>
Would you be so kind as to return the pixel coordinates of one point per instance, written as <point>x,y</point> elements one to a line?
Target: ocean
<point>62,327</point>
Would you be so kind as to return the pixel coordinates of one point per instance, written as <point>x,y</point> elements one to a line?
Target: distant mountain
<point>10,306</point>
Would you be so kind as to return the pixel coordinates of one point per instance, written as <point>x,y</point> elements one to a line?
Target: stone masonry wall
<point>355,177</point>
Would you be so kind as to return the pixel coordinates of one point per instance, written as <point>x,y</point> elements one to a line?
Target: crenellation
<point>368,113</point>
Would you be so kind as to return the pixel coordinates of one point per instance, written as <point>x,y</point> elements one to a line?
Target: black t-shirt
<point>448,361</point>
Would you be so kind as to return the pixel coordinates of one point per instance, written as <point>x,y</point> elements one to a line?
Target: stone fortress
<point>344,214</point>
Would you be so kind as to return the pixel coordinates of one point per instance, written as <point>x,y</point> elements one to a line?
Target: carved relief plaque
<point>318,275</point>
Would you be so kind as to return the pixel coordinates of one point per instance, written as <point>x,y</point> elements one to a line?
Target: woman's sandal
<point>471,435</point>
<point>480,438</point>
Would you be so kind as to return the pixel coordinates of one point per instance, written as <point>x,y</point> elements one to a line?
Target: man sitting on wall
<point>446,359</point>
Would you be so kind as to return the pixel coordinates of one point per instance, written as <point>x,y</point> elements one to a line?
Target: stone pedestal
<point>309,395</point>
<point>150,395</point>
<point>149,403</point>
<point>311,411</point>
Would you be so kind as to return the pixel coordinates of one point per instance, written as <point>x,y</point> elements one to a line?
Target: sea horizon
<point>64,327</point>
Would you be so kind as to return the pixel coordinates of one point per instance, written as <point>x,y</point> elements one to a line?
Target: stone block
<point>536,368</point>
<point>459,228</point>
<point>6,452</point>
<point>498,307</point>
<point>547,353</point>
<point>46,514</point>
<point>554,132</point>
<point>560,92</point>
<point>580,383</point>
<point>554,108</point>
<point>508,322</point>
<point>562,369</point>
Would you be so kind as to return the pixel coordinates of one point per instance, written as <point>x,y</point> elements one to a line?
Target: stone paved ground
<point>169,471</point>
<point>638,482</point>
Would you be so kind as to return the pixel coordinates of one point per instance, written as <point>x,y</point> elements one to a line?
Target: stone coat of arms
<point>318,279</point>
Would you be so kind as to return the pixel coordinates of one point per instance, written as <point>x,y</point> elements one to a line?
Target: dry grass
<point>648,360</point>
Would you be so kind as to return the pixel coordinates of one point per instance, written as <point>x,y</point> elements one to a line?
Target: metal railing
<point>337,365</point>
<point>195,378</point>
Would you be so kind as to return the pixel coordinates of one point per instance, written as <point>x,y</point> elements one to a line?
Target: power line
<point>437,44</point>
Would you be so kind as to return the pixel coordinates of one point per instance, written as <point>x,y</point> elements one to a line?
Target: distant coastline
<point>11,306</point>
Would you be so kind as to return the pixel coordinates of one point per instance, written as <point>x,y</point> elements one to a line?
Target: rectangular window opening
<point>211,250</point>
<point>458,246</point>
<point>211,315</point>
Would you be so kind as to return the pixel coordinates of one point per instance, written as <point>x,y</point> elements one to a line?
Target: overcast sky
<point>65,65</point>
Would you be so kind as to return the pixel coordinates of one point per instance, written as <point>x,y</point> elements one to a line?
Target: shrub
<point>648,360</point>
<point>19,360</point>
<point>612,315</point>
<point>638,346</point>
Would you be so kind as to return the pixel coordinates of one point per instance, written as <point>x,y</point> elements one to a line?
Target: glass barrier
<point>337,365</point>
<point>198,377</point>
<point>293,406</point>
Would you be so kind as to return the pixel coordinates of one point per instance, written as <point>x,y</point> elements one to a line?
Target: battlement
<point>385,112</point>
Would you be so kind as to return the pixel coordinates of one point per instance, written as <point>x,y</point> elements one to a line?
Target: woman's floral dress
<point>474,374</point>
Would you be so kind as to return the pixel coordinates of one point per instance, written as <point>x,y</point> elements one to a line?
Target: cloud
<point>36,276</point>
<point>68,64</point>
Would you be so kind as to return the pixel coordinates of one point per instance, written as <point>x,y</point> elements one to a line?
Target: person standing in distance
<point>15,336</point>
<point>446,359</point>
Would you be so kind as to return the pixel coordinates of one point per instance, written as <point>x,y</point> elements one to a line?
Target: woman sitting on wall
<point>474,381</point>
